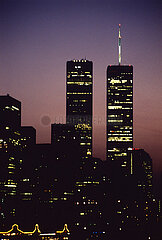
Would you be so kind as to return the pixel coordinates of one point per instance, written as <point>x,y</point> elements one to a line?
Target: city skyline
<point>39,181</point>
<point>36,42</point>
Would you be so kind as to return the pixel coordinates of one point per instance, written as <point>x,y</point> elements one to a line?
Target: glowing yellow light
<point>114,107</point>
<point>80,83</point>
<point>64,230</point>
<point>131,163</point>
<point>15,108</point>
<point>17,229</point>
<point>79,93</point>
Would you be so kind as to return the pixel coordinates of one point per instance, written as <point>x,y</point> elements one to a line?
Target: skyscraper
<point>15,146</point>
<point>87,220</point>
<point>119,112</point>
<point>79,90</point>
<point>10,160</point>
<point>10,112</point>
<point>141,168</point>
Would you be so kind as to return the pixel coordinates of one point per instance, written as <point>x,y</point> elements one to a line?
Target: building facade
<point>14,145</point>
<point>10,159</point>
<point>79,89</point>
<point>119,114</point>
<point>10,112</point>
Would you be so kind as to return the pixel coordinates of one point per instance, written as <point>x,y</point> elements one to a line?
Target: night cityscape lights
<point>61,184</point>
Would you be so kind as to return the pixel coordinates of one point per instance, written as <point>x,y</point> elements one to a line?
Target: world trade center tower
<point>119,113</point>
<point>79,88</point>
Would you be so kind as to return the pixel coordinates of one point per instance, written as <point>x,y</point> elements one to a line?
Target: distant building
<point>53,177</point>
<point>135,207</point>
<point>10,159</point>
<point>26,185</point>
<point>90,219</point>
<point>87,220</point>
<point>29,135</point>
<point>64,135</point>
<point>10,112</point>
<point>66,146</point>
<point>140,167</point>
<point>142,171</point>
<point>14,140</point>
<point>79,89</point>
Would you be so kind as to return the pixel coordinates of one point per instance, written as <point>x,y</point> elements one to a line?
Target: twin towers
<point>79,105</point>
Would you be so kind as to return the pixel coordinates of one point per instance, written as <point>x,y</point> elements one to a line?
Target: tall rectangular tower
<point>119,112</point>
<point>79,88</point>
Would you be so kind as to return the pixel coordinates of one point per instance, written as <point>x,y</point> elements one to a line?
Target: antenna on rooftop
<point>119,45</point>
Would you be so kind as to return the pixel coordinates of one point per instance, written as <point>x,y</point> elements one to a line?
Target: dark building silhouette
<point>29,135</point>
<point>140,167</point>
<point>158,229</point>
<point>54,180</point>
<point>26,188</point>
<point>79,89</point>
<point>14,142</point>
<point>64,134</point>
<point>10,112</point>
<point>66,146</point>
<point>10,159</point>
<point>90,219</point>
<point>134,208</point>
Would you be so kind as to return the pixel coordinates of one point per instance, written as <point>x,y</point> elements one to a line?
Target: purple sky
<point>38,37</point>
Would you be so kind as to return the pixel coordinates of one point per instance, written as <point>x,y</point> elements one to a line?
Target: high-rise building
<point>134,203</point>
<point>87,220</point>
<point>15,142</point>
<point>119,112</point>
<point>10,112</point>
<point>10,159</point>
<point>140,167</point>
<point>79,88</point>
